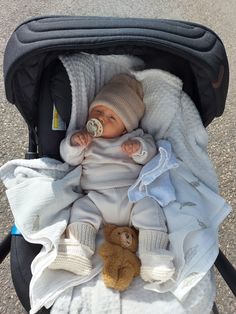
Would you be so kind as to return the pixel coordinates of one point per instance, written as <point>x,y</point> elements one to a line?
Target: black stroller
<point>35,79</point>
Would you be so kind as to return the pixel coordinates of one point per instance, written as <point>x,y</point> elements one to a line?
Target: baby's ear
<point>107,230</point>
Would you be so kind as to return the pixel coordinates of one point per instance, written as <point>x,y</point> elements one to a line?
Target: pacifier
<point>94,127</point>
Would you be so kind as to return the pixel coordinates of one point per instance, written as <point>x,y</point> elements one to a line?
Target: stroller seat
<point>55,92</point>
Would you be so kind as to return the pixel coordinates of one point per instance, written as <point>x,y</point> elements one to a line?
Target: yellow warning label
<point>57,123</point>
<point>55,119</point>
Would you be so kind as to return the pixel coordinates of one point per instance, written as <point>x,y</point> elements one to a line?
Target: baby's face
<point>112,124</point>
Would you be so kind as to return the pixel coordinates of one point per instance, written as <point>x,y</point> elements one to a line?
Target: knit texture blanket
<point>171,114</point>
<point>88,73</point>
<point>192,218</point>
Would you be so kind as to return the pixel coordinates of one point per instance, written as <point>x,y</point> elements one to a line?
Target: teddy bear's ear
<point>107,230</point>
<point>135,232</point>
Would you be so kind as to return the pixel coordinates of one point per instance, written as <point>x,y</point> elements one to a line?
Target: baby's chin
<point>111,136</point>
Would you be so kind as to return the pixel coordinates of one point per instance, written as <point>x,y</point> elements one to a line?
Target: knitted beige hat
<point>123,94</point>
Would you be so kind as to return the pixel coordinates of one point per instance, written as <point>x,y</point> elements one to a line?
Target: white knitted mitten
<point>156,260</point>
<point>74,252</point>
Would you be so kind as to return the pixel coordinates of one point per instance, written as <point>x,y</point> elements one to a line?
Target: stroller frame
<point>198,53</point>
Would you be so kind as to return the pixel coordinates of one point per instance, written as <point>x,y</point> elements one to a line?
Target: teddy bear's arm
<point>137,266</point>
<point>106,249</point>
<point>133,260</point>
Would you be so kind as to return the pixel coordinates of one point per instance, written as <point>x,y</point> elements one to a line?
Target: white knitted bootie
<point>75,251</point>
<point>156,260</point>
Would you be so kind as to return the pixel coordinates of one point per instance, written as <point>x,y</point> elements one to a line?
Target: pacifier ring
<point>94,127</point>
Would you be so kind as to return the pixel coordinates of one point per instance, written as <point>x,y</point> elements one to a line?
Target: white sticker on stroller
<point>57,123</point>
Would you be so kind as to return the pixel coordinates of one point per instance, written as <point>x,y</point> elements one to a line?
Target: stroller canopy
<point>176,46</point>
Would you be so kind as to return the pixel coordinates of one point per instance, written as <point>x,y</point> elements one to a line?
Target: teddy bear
<point>121,264</point>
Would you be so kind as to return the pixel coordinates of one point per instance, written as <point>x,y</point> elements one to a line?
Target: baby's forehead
<point>103,108</point>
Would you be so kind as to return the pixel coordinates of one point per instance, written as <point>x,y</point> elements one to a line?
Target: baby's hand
<point>130,147</point>
<point>82,138</point>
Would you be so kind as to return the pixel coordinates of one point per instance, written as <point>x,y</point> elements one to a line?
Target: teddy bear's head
<point>125,237</point>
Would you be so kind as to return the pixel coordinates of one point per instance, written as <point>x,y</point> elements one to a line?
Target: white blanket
<point>194,217</point>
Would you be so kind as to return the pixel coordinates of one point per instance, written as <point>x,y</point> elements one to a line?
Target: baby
<point>112,150</point>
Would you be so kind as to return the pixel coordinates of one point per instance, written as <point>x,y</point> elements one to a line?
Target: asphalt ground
<point>217,15</point>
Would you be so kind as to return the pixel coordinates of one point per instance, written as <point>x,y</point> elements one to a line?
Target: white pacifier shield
<point>94,127</point>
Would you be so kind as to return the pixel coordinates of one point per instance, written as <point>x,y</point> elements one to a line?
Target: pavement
<point>218,15</point>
